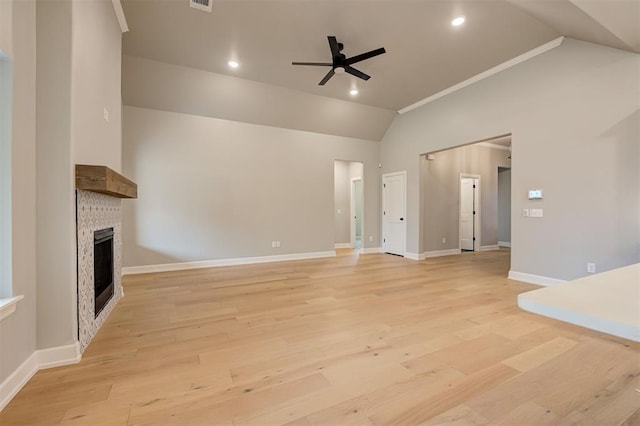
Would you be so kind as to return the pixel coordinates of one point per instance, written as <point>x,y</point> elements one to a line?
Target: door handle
<point>402,218</point>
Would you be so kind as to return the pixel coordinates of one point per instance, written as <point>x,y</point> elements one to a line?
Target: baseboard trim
<point>168,267</point>
<point>489,248</point>
<point>504,244</point>
<point>370,250</point>
<point>58,356</point>
<point>439,253</point>
<point>342,245</point>
<point>38,360</point>
<point>16,381</point>
<point>534,279</point>
<point>414,256</point>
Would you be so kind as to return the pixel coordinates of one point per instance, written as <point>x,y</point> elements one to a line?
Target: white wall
<point>217,189</point>
<point>18,42</point>
<point>573,114</point>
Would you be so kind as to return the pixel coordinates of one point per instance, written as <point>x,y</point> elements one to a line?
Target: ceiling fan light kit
<point>340,64</point>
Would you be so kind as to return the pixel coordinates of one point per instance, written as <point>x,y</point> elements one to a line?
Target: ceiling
<point>425,53</point>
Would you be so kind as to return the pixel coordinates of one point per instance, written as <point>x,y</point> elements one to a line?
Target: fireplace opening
<point>102,268</point>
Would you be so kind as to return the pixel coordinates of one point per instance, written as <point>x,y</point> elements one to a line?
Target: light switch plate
<point>536,213</point>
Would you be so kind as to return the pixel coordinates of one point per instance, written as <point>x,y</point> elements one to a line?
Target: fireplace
<point>99,194</point>
<point>99,224</point>
<point>102,268</point>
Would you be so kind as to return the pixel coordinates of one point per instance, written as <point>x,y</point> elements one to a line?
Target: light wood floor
<point>371,340</point>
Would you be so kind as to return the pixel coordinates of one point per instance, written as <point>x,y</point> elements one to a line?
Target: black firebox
<point>102,268</point>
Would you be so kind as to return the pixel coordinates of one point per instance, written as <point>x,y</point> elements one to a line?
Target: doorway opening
<point>449,199</point>
<point>348,204</point>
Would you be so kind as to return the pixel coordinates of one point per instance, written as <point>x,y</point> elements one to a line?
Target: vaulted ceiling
<point>425,53</point>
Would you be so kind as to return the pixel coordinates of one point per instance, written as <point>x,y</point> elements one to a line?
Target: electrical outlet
<point>273,244</point>
<point>277,243</point>
<point>444,240</point>
<point>339,211</point>
<point>525,212</point>
<point>370,238</point>
<point>105,115</point>
<point>591,268</point>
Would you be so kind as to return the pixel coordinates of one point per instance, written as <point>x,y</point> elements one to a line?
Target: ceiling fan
<point>340,63</point>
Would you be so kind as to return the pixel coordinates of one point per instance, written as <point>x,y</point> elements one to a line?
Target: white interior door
<point>393,213</point>
<point>468,212</point>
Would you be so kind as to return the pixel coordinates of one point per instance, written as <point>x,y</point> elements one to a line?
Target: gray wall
<point>573,114</point>
<point>504,205</point>
<point>157,85</point>
<point>18,42</point>
<point>78,68</point>
<point>217,189</point>
<point>344,171</point>
<point>440,185</point>
<point>97,70</point>
<point>56,213</point>
<point>77,46</point>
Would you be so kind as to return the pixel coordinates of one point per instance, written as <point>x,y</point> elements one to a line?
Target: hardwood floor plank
<point>460,415</point>
<point>104,414</point>
<point>393,398</point>
<point>538,355</point>
<point>203,409</point>
<point>367,340</point>
<point>529,414</point>
<point>633,419</point>
<point>457,392</point>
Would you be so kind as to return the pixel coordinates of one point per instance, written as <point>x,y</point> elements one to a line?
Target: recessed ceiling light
<point>233,64</point>
<point>458,21</point>
<point>353,92</point>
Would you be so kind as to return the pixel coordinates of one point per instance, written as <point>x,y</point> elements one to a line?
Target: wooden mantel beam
<point>103,180</point>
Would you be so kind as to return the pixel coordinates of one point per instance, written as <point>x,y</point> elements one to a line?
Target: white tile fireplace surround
<point>95,212</point>
<point>99,194</point>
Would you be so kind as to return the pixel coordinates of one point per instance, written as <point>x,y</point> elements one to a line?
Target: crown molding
<point>488,73</point>
<point>117,7</point>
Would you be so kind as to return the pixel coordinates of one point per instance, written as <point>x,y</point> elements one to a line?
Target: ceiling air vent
<point>205,5</point>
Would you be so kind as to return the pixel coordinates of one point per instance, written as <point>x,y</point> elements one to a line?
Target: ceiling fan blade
<point>356,72</point>
<point>363,56</point>
<point>317,64</point>
<point>334,45</point>
<point>326,77</point>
